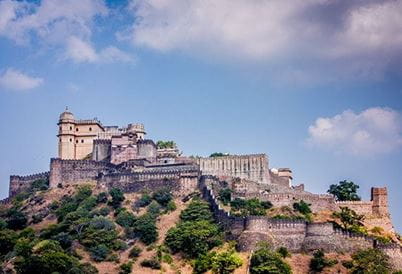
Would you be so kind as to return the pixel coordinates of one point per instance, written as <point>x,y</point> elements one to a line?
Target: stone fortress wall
<point>22,183</point>
<point>296,235</point>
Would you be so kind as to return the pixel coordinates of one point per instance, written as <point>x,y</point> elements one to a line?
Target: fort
<point>110,156</point>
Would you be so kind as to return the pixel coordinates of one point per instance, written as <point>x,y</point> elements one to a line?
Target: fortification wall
<point>361,207</point>
<point>101,150</point>
<point>253,167</point>
<point>76,171</point>
<point>394,252</point>
<point>318,201</point>
<point>21,183</point>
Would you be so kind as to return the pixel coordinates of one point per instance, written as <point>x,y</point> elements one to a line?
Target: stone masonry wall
<point>252,167</point>
<point>21,183</point>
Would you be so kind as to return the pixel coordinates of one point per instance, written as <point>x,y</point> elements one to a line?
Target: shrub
<point>171,206</point>
<point>154,209</point>
<point>370,261</point>
<point>302,207</point>
<point>119,245</point>
<point>265,261</point>
<point>225,195</point>
<point>104,211</point>
<point>125,218</point>
<point>16,219</point>
<point>284,252</point>
<point>163,196</point>
<point>3,223</point>
<point>135,252</point>
<point>241,207</point>
<point>193,238</point>
<point>88,204</point>
<point>319,262</point>
<point>8,238</point>
<point>53,205</point>
<point>117,197</point>
<point>64,239</point>
<point>349,219</point>
<point>197,210</point>
<point>83,192</point>
<point>151,263</point>
<point>40,184</point>
<point>144,201</point>
<point>203,263</point>
<point>37,218</point>
<point>145,229</point>
<point>226,262</point>
<point>126,268</point>
<point>101,198</point>
<point>99,252</point>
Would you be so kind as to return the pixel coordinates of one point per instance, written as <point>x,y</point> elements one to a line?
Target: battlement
<point>21,183</point>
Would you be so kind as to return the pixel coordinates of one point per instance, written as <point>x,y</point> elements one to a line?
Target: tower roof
<point>66,115</point>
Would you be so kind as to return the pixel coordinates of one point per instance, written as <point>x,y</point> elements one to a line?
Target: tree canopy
<point>345,191</point>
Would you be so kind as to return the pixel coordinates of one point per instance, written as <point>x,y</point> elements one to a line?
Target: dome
<point>66,115</point>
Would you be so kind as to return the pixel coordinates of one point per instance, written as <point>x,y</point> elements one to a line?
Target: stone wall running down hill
<point>21,183</point>
<point>295,235</point>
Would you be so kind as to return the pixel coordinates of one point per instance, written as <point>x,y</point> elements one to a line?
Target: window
<point>90,129</point>
<point>71,140</point>
<point>76,129</point>
<point>76,141</point>
<point>82,140</point>
<point>71,128</point>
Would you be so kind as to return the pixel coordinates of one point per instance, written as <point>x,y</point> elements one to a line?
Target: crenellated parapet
<point>21,183</point>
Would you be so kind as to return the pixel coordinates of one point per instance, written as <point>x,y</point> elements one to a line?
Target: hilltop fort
<point>123,157</point>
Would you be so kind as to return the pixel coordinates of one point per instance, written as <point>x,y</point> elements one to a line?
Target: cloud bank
<point>13,79</point>
<point>360,36</point>
<point>65,23</point>
<point>370,132</point>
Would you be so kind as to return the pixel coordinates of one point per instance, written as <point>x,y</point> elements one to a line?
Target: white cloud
<point>81,51</point>
<point>373,131</point>
<point>15,80</point>
<point>350,37</point>
<point>50,20</point>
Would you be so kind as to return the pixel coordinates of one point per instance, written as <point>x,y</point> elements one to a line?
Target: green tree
<point>193,238</point>
<point>225,195</point>
<point>163,196</point>
<point>371,261</point>
<point>265,261</point>
<point>117,197</point>
<point>344,191</point>
<point>16,219</point>
<point>349,218</point>
<point>319,262</point>
<point>145,229</point>
<point>125,218</point>
<point>226,262</point>
<point>165,144</point>
<point>218,154</point>
<point>197,210</point>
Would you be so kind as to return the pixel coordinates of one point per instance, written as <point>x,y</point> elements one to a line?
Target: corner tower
<point>66,135</point>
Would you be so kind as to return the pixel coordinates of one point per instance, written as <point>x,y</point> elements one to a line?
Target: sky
<point>314,84</point>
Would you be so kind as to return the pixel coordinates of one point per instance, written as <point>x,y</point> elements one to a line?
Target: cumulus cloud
<point>15,80</point>
<point>81,51</point>
<point>365,33</point>
<point>373,131</point>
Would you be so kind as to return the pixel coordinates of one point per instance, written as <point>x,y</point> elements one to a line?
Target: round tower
<point>66,135</point>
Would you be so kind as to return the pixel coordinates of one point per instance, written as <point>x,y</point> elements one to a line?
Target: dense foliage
<point>218,154</point>
<point>225,262</point>
<point>242,207</point>
<point>371,260</point>
<point>165,144</point>
<point>265,261</point>
<point>319,262</point>
<point>344,191</point>
<point>225,195</point>
<point>196,233</point>
<point>350,220</point>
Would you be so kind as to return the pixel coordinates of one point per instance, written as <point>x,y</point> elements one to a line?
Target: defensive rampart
<point>252,167</point>
<point>21,183</point>
<point>296,235</point>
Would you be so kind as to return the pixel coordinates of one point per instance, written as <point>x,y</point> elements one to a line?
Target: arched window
<point>71,140</point>
<point>90,129</point>
<point>76,129</point>
<point>76,141</point>
<point>82,140</point>
<point>71,128</point>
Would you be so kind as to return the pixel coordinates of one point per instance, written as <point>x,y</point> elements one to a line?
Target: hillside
<point>86,229</point>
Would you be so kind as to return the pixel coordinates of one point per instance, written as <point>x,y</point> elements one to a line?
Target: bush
<point>88,204</point>
<point>193,238</point>
<point>225,195</point>
<point>171,206</point>
<point>119,245</point>
<point>64,239</point>
<point>53,205</point>
<point>319,262</point>
<point>117,197</point>
<point>16,219</point>
<point>83,192</point>
<point>265,261</point>
<point>8,238</point>
<point>135,252</point>
<point>126,268</point>
<point>154,209</point>
<point>37,218</point>
<point>162,196</point>
<point>101,198</point>
<point>226,262</point>
<point>370,261</point>
<point>145,229</point>
<point>350,219</point>
<point>197,210</point>
<point>99,252</point>
<point>284,252</point>
<point>241,207</point>
<point>302,207</point>
<point>125,218</point>
<point>40,184</point>
<point>203,263</point>
<point>3,223</point>
<point>144,201</point>
<point>151,263</point>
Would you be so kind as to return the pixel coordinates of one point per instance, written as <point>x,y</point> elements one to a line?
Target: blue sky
<point>316,85</point>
